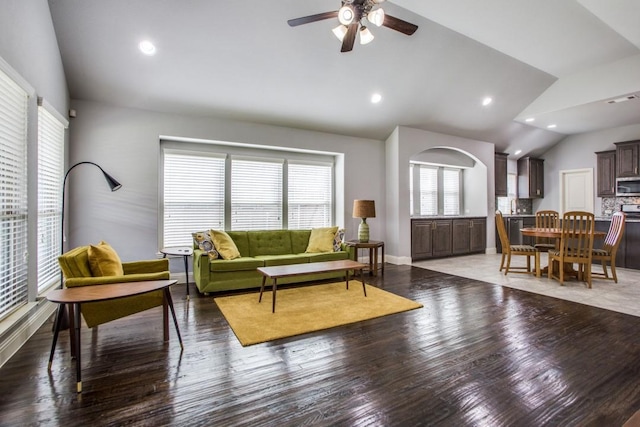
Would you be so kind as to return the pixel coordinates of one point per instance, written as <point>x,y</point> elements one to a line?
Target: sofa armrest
<point>146,266</point>
<point>201,270</point>
<point>106,280</point>
<point>350,250</point>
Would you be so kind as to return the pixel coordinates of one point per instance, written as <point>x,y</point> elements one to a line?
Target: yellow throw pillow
<point>104,261</point>
<point>224,244</point>
<point>321,239</point>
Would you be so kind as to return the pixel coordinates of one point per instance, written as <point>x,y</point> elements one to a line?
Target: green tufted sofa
<point>261,249</point>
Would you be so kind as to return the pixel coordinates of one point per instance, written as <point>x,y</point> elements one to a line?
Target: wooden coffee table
<point>75,297</point>
<point>280,271</point>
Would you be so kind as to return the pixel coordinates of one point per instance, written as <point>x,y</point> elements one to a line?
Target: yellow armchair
<point>76,270</point>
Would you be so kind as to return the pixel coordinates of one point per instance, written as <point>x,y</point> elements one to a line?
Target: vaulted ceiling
<point>555,61</point>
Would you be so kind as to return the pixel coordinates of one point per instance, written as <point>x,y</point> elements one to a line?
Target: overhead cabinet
<point>628,159</point>
<point>501,174</point>
<point>606,173</point>
<point>435,238</point>
<point>530,178</point>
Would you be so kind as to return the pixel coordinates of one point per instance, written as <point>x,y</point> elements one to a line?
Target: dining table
<point>555,233</point>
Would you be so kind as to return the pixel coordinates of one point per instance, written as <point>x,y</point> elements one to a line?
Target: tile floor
<point>623,297</point>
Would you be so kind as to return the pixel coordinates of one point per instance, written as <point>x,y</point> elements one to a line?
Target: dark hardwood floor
<point>477,354</point>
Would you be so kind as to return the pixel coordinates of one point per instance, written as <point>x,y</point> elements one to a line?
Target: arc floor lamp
<point>114,185</point>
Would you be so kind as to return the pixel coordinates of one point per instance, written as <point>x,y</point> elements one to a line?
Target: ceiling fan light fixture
<point>376,17</point>
<point>340,31</point>
<point>365,35</point>
<point>346,15</point>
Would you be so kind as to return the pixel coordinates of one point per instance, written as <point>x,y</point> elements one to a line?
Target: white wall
<point>578,152</point>
<point>404,143</point>
<point>125,142</point>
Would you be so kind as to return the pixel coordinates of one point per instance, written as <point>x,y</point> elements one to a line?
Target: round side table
<point>185,252</point>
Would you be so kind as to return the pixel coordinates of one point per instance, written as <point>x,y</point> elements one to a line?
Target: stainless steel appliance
<point>628,186</point>
<point>631,210</point>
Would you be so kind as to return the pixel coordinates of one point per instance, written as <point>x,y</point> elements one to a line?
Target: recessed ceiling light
<point>147,47</point>
<point>517,152</point>
<point>488,100</point>
<point>530,119</point>
<point>375,98</point>
<point>551,126</point>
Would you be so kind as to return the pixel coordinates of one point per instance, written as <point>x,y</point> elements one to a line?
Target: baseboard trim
<point>25,328</point>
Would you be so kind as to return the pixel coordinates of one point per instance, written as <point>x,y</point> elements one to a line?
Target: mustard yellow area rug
<point>306,309</point>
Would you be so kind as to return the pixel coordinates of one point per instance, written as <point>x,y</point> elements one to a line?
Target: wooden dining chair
<point>546,219</point>
<point>518,250</point>
<point>576,245</point>
<point>611,242</point>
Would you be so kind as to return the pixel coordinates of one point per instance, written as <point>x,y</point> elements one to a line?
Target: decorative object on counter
<point>508,249</point>
<point>546,219</point>
<point>364,209</point>
<point>611,242</point>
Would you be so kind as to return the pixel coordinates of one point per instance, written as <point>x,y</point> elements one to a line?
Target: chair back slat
<point>576,241</point>
<point>616,230</point>
<point>546,219</point>
<point>502,233</point>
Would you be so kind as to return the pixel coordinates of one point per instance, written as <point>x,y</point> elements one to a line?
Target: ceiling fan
<point>352,16</point>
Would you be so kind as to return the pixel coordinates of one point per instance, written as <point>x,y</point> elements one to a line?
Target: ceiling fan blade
<point>399,25</point>
<point>312,18</point>
<point>349,38</point>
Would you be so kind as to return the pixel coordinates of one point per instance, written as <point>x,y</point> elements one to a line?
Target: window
<point>256,194</point>
<point>238,188</point>
<point>13,195</point>
<point>50,180</point>
<point>193,195</point>
<point>435,190</point>
<point>310,195</point>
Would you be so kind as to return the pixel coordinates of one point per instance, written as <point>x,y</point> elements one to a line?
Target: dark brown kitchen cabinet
<point>430,238</point>
<point>606,173</point>
<point>627,156</point>
<point>530,178</point>
<point>469,235</point>
<point>501,174</point>
<point>632,245</point>
<point>434,238</point>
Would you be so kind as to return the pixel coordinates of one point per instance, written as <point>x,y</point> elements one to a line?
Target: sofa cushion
<point>236,264</point>
<point>270,260</point>
<point>321,239</point>
<point>224,244</point>
<point>203,241</point>
<point>338,239</point>
<point>241,239</point>
<point>328,256</point>
<point>104,261</point>
<point>269,242</point>
<point>299,240</point>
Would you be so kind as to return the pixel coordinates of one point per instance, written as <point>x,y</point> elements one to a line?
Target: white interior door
<point>576,190</point>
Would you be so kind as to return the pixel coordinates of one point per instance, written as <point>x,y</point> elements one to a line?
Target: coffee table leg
<point>167,295</point>
<point>347,277</point>
<point>364,286</point>
<point>78,349</point>
<point>275,287</point>
<point>264,279</point>
<point>56,331</point>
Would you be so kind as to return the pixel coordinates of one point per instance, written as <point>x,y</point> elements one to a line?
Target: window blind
<point>428,190</point>
<point>451,191</point>
<point>411,172</point>
<point>13,196</point>
<point>256,194</point>
<point>193,195</point>
<point>310,195</point>
<point>50,180</point>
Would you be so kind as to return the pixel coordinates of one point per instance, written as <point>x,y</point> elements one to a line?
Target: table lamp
<point>364,209</point>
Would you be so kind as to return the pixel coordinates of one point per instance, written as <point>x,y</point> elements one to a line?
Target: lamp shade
<point>364,209</point>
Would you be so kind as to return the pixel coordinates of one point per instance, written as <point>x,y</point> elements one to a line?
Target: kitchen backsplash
<point>612,204</point>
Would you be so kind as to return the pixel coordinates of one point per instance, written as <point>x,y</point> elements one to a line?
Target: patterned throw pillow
<point>205,244</point>
<point>338,239</point>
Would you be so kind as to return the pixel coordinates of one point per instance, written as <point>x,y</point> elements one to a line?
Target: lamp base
<point>363,231</point>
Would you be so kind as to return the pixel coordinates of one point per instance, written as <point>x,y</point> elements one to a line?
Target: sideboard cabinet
<point>436,238</point>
